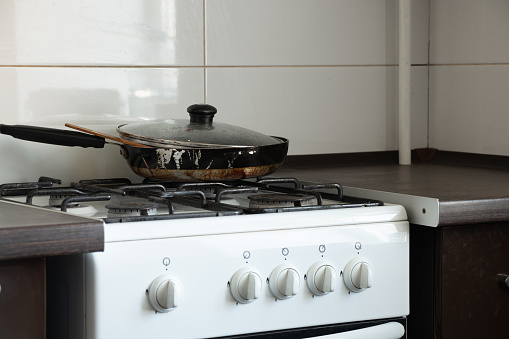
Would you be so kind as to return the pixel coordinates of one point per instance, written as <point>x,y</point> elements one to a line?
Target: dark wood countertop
<point>466,193</point>
<point>25,234</point>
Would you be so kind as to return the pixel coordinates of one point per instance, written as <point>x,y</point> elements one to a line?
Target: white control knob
<point>322,278</point>
<point>358,275</point>
<point>246,285</point>
<point>165,293</point>
<point>284,281</point>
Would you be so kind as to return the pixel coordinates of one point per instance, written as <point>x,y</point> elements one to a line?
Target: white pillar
<point>405,66</point>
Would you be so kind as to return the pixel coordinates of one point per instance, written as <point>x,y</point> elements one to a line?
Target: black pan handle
<point>52,136</point>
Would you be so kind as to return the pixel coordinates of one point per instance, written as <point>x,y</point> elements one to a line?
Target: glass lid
<point>198,131</point>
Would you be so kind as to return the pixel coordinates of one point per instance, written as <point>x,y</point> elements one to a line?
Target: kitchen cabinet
<point>29,235</point>
<point>23,298</point>
<point>455,278</point>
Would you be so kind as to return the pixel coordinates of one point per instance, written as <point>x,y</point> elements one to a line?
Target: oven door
<point>377,329</point>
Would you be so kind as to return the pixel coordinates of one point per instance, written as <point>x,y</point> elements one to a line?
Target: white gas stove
<point>189,261</point>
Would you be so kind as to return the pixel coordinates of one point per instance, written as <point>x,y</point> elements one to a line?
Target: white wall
<point>322,73</point>
<point>469,76</point>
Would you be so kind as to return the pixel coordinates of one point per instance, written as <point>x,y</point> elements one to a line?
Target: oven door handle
<point>391,330</point>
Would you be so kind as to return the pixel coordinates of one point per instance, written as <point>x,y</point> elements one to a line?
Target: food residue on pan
<point>165,156</point>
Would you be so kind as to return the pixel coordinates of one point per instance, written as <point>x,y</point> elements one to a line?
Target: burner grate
<point>204,199</point>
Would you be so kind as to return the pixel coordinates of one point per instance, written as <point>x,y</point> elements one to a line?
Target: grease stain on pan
<point>197,157</point>
<point>232,159</point>
<point>166,155</point>
<point>177,157</point>
<point>163,157</point>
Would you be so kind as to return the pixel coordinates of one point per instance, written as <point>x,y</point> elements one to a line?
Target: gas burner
<point>55,200</point>
<point>210,192</point>
<point>131,209</point>
<point>279,200</point>
<point>81,210</point>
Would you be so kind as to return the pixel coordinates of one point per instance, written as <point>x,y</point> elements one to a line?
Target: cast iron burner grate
<point>210,198</point>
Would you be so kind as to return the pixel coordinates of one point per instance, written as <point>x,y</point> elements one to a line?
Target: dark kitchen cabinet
<point>28,235</point>
<point>456,287</point>
<point>23,298</point>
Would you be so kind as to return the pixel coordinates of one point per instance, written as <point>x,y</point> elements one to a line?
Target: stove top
<point>118,200</point>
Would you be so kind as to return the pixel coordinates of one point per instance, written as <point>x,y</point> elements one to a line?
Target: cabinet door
<point>474,302</point>
<point>22,298</point>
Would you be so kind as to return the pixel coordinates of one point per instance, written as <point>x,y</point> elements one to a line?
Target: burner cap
<point>132,209</point>
<point>279,200</point>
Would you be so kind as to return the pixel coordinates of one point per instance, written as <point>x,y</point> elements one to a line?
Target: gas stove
<point>247,258</point>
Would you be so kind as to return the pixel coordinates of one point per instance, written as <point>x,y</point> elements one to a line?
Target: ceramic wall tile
<point>300,32</point>
<point>468,109</point>
<point>320,109</point>
<point>469,31</point>
<point>131,32</point>
<point>52,95</point>
<point>98,98</point>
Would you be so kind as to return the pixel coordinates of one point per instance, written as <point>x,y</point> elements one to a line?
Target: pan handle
<point>52,136</point>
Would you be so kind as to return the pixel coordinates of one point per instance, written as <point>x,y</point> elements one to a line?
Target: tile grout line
<point>204,66</point>
<point>247,66</point>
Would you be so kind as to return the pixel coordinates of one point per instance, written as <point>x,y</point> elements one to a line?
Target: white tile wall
<point>470,108</point>
<point>330,118</point>
<point>300,32</point>
<point>469,31</point>
<point>96,32</point>
<point>469,91</point>
<point>322,71</point>
<point>55,95</point>
<point>356,115</point>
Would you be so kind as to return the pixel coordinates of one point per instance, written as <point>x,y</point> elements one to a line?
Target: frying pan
<point>170,162</point>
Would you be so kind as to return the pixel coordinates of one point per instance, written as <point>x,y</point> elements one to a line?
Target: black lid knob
<point>201,113</point>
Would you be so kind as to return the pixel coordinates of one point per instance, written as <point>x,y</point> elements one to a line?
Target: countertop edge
<point>51,240</point>
<point>473,211</point>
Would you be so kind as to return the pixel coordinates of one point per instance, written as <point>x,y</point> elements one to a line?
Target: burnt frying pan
<point>216,162</point>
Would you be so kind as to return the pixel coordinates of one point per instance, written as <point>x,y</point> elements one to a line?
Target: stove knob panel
<point>246,285</point>
<point>165,293</point>
<point>284,281</point>
<point>358,275</point>
<point>322,278</point>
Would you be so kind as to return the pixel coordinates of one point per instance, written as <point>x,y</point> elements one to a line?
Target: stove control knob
<point>358,275</point>
<point>284,281</point>
<point>165,293</point>
<point>322,278</point>
<point>246,285</point>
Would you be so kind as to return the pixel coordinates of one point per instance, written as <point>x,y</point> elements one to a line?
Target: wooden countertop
<point>466,192</point>
<point>25,234</point>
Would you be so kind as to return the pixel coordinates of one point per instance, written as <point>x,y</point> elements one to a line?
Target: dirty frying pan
<point>197,149</point>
